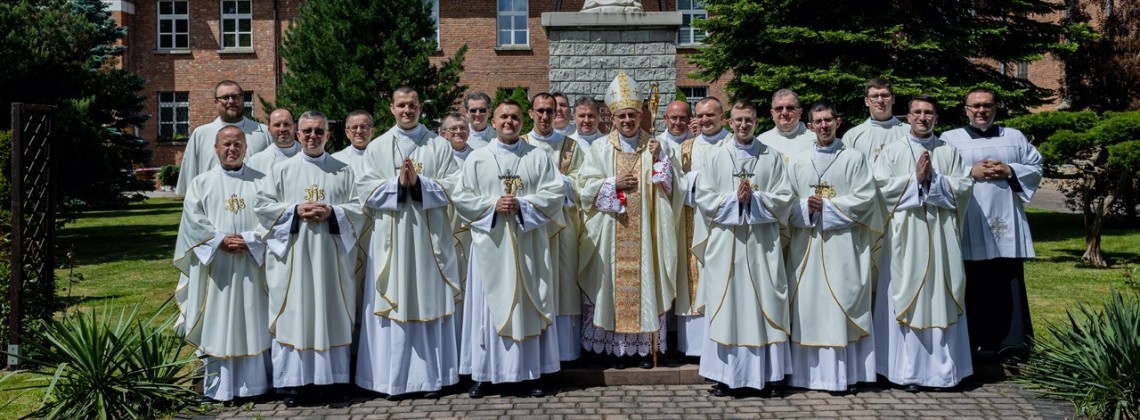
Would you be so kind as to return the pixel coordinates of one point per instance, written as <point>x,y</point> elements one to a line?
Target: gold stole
<point>690,213</point>
<point>565,155</point>
<point>627,244</point>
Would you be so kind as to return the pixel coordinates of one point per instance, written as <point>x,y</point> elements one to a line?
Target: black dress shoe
<point>772,391</point>
<point>721,390</point>
<point>852,389</point>
<point>537,392</point>
<point>433,395</point>
<point>619,364</point>
<point>911,388</point>
<point>645,364</point>
<point>477,390</point>
<point>291,402</point>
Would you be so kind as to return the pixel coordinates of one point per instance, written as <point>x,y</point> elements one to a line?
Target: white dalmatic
<point>510,305</point>
<point>199,156</point>
<point>264,160</point>
<point>870,137</point>
<point>309,269</point>
<point>921,333</point>
<point>829,261</point>
<point>222,303</point>
<point>412,282</point>
<point>743,279</point>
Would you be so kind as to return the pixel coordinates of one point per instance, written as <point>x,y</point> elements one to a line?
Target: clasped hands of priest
<point>924,170</point>
<point>408,176</point>
<point>314,212</point>
<point>628,181</point>
<point>234,244</point>
<point>990,169</point>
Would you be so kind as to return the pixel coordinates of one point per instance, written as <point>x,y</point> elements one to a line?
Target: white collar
<point>316,160</point>
<point>720,135</point>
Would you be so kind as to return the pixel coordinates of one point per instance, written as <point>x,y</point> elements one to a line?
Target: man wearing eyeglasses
<point>677,119</point>
<point>310,209</point>
<point>881,127</point>
<point>920,322</point>
<point>455,130</point>
<point>478,107</point>
<point>790,136</point>
<point>834,225</point>
<point>995,236</point>
<point>564,246</point>
<point>630,188</point>
<point>358,128</point>
<point>412,280</point>
<point>199,155</point>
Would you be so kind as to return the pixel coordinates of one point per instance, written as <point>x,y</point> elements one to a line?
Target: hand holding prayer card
<point>507,204</point>
<point>626,181</point>
<point>744,191</point>
<point>924,169</point>
<point>234,244</point>
<point>815,204</point>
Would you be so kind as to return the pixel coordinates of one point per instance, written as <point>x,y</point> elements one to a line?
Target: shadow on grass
<point>148,208</point>
<point>1055,227</point>
<point>97,244</point>
<point>65,301</point>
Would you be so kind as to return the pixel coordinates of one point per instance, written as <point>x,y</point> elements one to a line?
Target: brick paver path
<point>660,402</point>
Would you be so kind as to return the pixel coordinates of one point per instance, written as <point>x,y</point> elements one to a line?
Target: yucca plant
<point>1094,361</point>
<point>96,365</point>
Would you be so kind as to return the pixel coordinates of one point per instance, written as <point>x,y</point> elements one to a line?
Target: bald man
<point>677,119</point>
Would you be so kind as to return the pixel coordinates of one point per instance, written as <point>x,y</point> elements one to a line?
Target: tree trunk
<point>1093,256</point>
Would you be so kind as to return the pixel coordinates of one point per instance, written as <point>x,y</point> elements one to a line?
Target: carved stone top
<point>612,6</point>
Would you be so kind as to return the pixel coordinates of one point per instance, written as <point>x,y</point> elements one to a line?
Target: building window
<point>237,24</point>
<point>173,116</point>
<point>691,11</point>
<point>512,25</point>
<point>694,94</point>
<point>435,20</point>
<point>173,25</point>
<point>247,104</point>
<point>1023,70</point>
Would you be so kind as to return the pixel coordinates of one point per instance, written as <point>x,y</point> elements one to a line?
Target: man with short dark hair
<point>586,122</point>
<point>478,108</point>
<point>283,132</point>
<point>995,235</point>
<point>563,120</point>
<point>921,332</point>
<point>506,192</point>
<point>881,127</point>
<point>199,155</point>
<point>834,227</point>
<point>412,282</point>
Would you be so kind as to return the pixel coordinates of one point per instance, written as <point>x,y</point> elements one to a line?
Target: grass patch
<point>1056,280</point>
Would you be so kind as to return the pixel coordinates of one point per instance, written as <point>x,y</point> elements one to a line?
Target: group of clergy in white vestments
<point>791,257</point>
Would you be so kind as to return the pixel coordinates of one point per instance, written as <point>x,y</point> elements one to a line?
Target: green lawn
<point>124,258</point>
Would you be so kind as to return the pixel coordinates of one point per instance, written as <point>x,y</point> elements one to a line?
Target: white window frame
<point>688,34</point>
<point>512,16</point>
<point>169,128</point>
<point>1023,70</point>
<point>237,17</point>
<point>435,19</point>
<point>692,96</point>
<point>247,103</point>
<point>173,18</point>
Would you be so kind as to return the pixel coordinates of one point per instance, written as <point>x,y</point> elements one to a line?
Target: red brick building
<point>184,47</point>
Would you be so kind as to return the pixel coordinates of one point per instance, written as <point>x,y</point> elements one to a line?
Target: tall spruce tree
<point>828,49</point>
<point>343,55</point>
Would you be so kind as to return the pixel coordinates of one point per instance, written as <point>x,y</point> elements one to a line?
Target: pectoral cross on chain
<point>512,183</point>
<point>235,204</point>
<point>824,190</point>
<point>314,194</point>
<point>746,176</point>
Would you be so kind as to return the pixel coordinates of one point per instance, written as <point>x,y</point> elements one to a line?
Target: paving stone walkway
<point>661,402</point>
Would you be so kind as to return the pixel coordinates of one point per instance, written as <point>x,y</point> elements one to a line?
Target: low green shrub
<point>107,365</point>
<point>168,175</point>
<point>1094,361</point>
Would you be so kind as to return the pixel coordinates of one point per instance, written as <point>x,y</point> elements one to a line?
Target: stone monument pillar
<point>588,49</point>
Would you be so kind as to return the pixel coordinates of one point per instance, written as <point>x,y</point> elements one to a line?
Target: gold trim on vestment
<point>827,281</point>
<point>628,248</point>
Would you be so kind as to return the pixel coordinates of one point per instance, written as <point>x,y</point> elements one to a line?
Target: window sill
<point>697,46</point>
<point>236,51</point>
<point>173,51</point>
<point>513,48</point>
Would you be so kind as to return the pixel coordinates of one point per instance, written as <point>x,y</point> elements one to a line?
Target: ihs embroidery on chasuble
<point>314,194</point>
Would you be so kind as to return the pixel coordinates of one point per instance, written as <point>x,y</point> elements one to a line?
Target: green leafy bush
<point>168,175</point>
<point>1093,362</point>
<point>103,365</point>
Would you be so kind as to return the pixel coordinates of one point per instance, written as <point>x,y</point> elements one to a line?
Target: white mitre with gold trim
<point>624,92</point>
